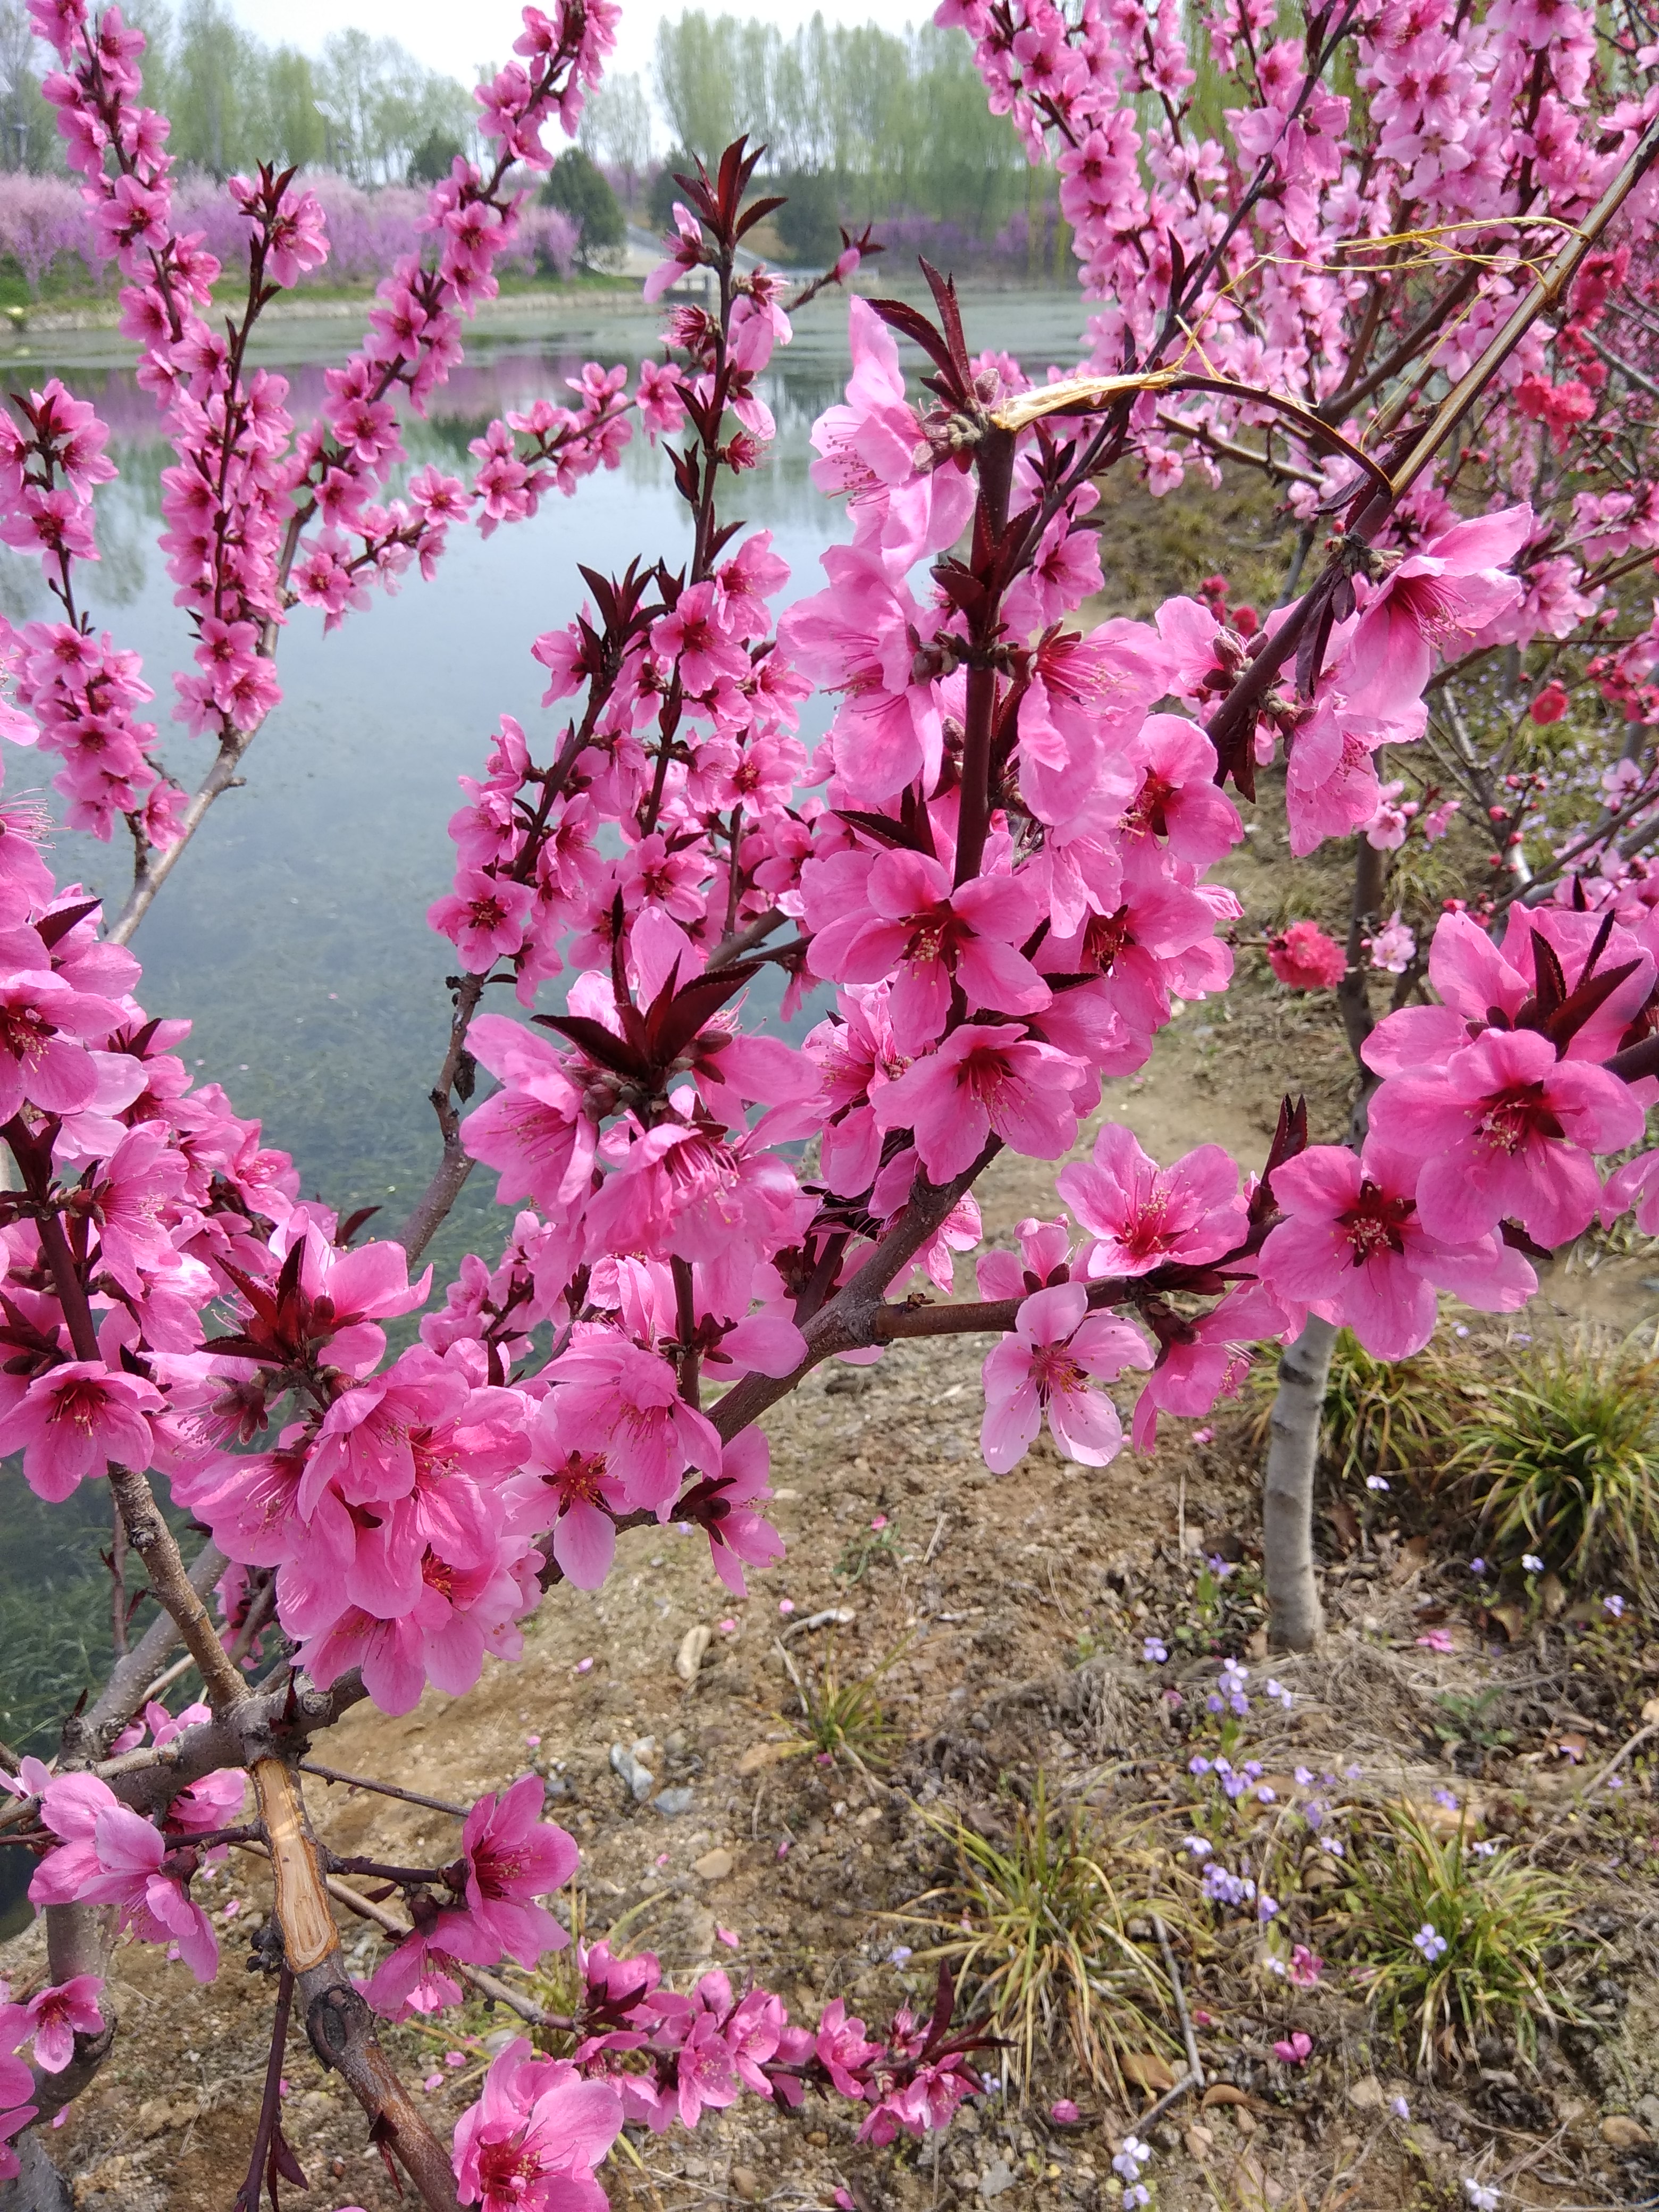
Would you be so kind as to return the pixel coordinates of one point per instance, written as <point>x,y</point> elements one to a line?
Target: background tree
<point>893,123</point>
<point>434,157</point>
<point>616,129</point>
<point>808,221</point>
<point>379,105</point>
<point>578,186</point>
<point>28,134</point>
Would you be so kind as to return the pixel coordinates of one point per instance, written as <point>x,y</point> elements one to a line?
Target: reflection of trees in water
<point>129,508</point>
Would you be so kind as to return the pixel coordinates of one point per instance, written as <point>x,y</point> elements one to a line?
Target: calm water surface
<point>293,932</point>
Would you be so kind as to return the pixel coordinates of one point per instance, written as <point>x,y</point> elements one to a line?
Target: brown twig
<point>264,2154</point>
<point>1180,1995</point>
<point>381,1789</point>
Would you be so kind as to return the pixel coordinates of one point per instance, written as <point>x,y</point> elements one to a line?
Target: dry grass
<point>1050,1944</point>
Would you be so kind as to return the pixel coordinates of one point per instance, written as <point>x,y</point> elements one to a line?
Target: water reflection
<point>294,932</point>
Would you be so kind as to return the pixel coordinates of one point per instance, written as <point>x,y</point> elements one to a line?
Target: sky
<point>460,39</point>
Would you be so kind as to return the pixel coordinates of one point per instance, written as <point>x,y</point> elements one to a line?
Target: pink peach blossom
<point>1057,1352</point>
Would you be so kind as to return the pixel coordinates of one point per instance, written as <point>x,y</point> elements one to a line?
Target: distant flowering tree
<point>995,878</point>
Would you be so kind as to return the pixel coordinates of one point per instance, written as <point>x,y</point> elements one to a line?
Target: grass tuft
<point>843,1719</point>
<point>1500,1920</point>
<point>1049,1944</point>
<point>1380,1417</point>
<point>1563,1455</point>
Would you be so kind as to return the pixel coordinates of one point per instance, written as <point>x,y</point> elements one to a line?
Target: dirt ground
<point>1009,1615</point>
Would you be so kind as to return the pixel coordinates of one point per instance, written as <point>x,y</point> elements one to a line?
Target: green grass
<point>1037,1931</point>
<point>1562,1456</point>
<point>1502,1922</point>
<point>1380,1417</point>
<point>843,1719</point>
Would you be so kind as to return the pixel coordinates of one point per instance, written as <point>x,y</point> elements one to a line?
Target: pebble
<point>745,2185</point>
<point>1623,2133</point>
<point>629,1762</point>
<point>670,1804</point>
<point>693,1644</point>
<point>714,1866</point>
<point>995,2179</point>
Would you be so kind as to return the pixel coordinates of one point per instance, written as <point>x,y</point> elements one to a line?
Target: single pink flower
<point>74,1419</point>
<point>486,917</point>
<point>418,1977</point>
<point>985,1077</point>
<point>1294,2050</point>
<point>1202,1360</point>
<point>1550,705</point>
<point>1178,800</point>
<point>572,1492</point>
<point>615,1399</point>
<point>58,2014</point>
<point>1433,601</point>
<point>1142,1215</point>
<point>126,1870</point>
<point>513,1857</point>
<point>929,939</point>
<point>1352,1251</point>
<point>530,2142</point>
<point>1058,1350</point>
<point>1506,1130</point>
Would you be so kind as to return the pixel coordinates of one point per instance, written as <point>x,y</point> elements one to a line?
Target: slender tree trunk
<point>1293,1448</point>
<point>1297,1617</point>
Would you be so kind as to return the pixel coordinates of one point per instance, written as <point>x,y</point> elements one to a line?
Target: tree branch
<point>848,1322</point>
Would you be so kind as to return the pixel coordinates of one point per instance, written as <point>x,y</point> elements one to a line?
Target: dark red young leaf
<point>1311,649</point>
<point>267,1306</point>
<point>911,322</point>
<point>1578,1007</point>
<point>20,1330</point>
<point>55,927</point>
<point>1550,984</point>
<point>352,1222</point>
<point>1234,740</point>
<point>600,1044</point>
<point>284,2163</point>
<point>944,2005</point>
<point>965,590</point>
<point>756,211</point>
<point>723,537</point>
<point>1598,946</point>
<point>881,827</point>
<point>1518,1241</point>
<point>943,289</point>
<point>137,1043</point>
<point>697,1003</point>
<point>1290,1137</point>
<point>604,595</point>
<point>699,197</point>
<point>1177,269</point>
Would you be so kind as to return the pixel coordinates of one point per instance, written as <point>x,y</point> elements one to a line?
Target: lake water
<point>293,932</point>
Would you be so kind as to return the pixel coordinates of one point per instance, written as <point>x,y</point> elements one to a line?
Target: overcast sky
<point>458,40</point>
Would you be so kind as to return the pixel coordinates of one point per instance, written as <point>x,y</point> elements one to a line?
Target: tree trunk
<point>1297,1617</point>
<point>38,2186</point>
